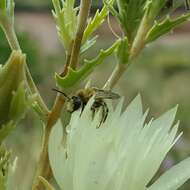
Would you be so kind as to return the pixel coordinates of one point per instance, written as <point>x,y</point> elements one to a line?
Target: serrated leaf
<point>131,13</point>
<point>65,16</point>
<point>112,9</point>
<point>97,20</point>
<point>165,26</point>
<point>75,76</point>
<point>88,44</point>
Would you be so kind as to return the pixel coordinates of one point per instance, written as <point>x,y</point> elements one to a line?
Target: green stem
<point>72,61</point>
<point>14,44</point>
<point>11,36</point>
<point>115,76</point>
<point>83,16</point>
<point>139,41</point>
<point>136,48</point>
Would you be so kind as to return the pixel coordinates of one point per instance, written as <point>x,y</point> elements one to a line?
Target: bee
<point>82,96</point>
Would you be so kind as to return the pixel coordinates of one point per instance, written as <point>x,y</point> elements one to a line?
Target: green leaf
<point>12,74</point>
<point>19,104</point>
<point>65,16</point>
<point>165,26</point>
<point>88,44</point>
<point>123,51</point>
<point>98,19</point>
<point>131,13</point>
<point>74,76</point>
<point>111,9</point>
<point>153,8</point>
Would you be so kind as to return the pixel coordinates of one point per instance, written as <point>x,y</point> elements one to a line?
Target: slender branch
<point>44,169</point>
<point>83,16</point>
<point>137,46</point>
<point>11,36</point>
<point>115,76</point>
<point>139,41</point>
<point>68,55</point>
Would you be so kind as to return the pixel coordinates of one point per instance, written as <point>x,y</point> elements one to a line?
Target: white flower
<point>123,154</point>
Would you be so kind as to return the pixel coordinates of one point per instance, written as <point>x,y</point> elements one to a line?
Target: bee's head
<point>74,104</point>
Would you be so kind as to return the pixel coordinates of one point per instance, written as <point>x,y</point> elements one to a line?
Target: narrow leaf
<point>74,76</point>
<point>165,26</point>
<point>88,44</point>
<point>94,23</point>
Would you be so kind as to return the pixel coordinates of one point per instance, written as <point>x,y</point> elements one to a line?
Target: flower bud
<point>12,88</point>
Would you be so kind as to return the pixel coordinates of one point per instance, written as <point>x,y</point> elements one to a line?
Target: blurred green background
<point>161,75</point>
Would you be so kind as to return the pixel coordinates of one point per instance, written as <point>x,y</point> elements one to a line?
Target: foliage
<point>141,22</point>
<point>74,77</point>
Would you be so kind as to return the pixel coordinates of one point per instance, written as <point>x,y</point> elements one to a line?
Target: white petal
<point>174,177</point>
<point>57,154</point>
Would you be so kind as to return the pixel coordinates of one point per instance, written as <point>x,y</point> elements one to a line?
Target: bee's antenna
<point>56,90</point>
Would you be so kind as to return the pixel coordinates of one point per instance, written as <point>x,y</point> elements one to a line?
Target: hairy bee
<point>81,98</point>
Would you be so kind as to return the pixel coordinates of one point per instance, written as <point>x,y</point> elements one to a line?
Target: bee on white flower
<point>124,153</point>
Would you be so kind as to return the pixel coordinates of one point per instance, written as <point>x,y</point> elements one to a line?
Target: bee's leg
<point>105,111</point>
<point>97,104</point>
<point>94,106</point>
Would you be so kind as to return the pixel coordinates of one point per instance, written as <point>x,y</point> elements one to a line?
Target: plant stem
<point>137,46</point>
<point>14,44</point>
<point>44,169</point>
<point>139,41</point>
<point>83,16</point>
<point>115,76</point>
<point>11,36</point>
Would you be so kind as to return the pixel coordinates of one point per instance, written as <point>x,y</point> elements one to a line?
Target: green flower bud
<point>12,88</point>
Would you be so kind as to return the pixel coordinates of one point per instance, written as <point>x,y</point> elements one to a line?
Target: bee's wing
<point>105,94</point>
